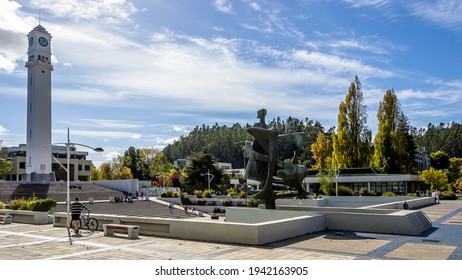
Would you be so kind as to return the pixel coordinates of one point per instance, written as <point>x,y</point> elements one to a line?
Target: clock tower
<point>38,153</point>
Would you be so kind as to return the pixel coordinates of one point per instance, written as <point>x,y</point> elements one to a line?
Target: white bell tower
<point>38,153</point>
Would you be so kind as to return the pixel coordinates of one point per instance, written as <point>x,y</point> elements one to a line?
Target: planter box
<point>27,217</point>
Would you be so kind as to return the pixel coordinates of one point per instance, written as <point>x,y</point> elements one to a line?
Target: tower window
<point>43,71</point>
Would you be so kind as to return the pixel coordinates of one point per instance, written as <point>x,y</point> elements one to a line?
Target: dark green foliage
<point>448,195</point>
<point>225,143</point>
<point>344,191</point>
<point>45,205</point>
<point>226,202</point>
<point>33,204</point>
<point>201,164</point>
<point>439,160</point>
<point>444,137</point>
<point>185,200</point>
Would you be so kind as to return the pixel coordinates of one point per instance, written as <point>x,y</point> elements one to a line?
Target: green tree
<point>393,144</point>
<point>327,181</point>
<point>352,143</point>
<point>104,171</point>
<point>434,179</point>
<point>404,145</point>
<point>440,160</point>
<point>202,163</point>
<point>5,166</point>
<point>322,152</point>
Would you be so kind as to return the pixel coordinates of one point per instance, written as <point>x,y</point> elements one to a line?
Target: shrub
<point>252,203</point>
<point>185,200</point>
<point>243,194</point>
<point>15,204</point>
<point>447,195</point>
<point>226,202</point>
<point>45,205</point>
<point>2,205</point>
<point>163,195</point>
<point>169,193</point>
<point>198,193</point>
<point>364,192</point>
<point>231,192</point>
<point>345,191</point>
<point>200,202</point>
<point>389,194</point>
<point>216,210</point>
<point>175,194</point>
<point>207,194</point>
<point>31,204</point>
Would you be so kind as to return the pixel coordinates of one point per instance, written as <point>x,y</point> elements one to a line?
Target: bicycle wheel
<point>79,225</point>
<point>92,224</point>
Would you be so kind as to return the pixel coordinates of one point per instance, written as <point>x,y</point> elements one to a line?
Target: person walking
<point>76,211</point>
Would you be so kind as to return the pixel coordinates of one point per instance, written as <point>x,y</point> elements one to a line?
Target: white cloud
<point>445,12</point>
<point>179,128</point>
<point>224,6</point>
<point>111,11</point>
<point>101,123</point>
<point>366,3</point>
<point>3,130</point>
<point>111,155</point>
<point>255,6</point>
<point>338,64</point>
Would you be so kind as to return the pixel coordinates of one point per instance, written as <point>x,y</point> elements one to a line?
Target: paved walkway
<point>45,242</point>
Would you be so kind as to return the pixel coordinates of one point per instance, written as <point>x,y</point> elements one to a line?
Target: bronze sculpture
<point>265,168</point>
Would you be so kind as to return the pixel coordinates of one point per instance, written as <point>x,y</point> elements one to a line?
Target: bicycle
<point>85,220</point>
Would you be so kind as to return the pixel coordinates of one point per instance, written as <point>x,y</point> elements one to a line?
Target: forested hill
<point>225,143</point>
<point>444,137</point>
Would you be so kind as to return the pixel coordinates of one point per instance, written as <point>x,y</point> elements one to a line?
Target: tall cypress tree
<point>387,116</point>
<point>352,143</point>
<point>393,143</point>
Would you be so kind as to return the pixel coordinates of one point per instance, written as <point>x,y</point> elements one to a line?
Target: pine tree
<point>352,143</point>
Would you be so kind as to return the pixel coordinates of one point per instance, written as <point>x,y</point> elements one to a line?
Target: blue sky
<point>142,73</point>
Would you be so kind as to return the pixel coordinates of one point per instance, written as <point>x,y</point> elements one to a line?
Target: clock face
<point>43,41</point>
<point>31,41</point>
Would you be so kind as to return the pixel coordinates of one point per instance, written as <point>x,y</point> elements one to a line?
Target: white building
<point>38,134</point>
<point>79,166</point>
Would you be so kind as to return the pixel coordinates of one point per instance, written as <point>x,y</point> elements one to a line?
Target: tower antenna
<point>40,15</point>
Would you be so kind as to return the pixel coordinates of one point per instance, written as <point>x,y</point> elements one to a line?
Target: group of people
<point>128,198</point>
<point>435,194</point>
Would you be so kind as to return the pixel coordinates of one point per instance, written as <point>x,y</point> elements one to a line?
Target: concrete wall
<point>128,186</point>
<point>385,202</point>
<point>406,222</point>
<point>204,230</point>
<point>27,217</point>
<point>255,216</point>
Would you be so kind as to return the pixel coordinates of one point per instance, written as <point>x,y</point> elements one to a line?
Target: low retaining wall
<point>203,230</point>
<point>384,202</point>
<point>27,217</point>
<point>375,220</point>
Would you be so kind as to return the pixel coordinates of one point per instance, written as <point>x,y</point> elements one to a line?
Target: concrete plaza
<point>45,242</point>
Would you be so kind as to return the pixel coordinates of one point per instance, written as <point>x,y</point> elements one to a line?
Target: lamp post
<point>68,145</point>
<point>208,177</point>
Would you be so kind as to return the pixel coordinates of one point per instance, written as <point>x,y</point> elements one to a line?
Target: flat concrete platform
<point>45,242</point>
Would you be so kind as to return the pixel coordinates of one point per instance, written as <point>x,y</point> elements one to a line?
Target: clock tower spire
<point>39,67</point>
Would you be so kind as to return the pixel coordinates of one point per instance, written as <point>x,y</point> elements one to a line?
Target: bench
<point>131,230</point>
<point>5,218</point>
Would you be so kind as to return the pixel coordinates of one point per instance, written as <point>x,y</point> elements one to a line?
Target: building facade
<point>79,166</point>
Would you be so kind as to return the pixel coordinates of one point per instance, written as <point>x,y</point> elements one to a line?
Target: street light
<point>208,177</point>
<point>68,145</point>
